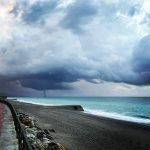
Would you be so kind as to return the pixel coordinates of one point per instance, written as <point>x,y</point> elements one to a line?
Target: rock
<point>46,131</point>
<point>52,130</point>
<point>31,138</point>
<point>40,139</point>
<point>45,142</point>
<point>21,117</point>
<point>26,120</point>
<point>32,123</point>
<point>61,147</point>
<point>52,146</point>
<point>30,131</point>
<point>23,126</point>
<point>55,146</point>
<point>49,137</point>
<point>40,135</point>
<point>37,145</point>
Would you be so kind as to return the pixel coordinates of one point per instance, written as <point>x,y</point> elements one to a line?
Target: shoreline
<point>83,131</point>
<point>108,115</point>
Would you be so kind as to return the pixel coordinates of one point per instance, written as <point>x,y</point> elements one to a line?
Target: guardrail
<point>23,143</point>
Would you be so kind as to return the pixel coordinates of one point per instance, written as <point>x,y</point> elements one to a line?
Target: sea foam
<point>35,103</point>
<point>117,116</point>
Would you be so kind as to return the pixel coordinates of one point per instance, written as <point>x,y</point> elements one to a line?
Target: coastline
<point>126,114</point>
<point>83,131</point>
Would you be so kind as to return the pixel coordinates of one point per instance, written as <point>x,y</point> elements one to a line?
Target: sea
<point>133,109</point>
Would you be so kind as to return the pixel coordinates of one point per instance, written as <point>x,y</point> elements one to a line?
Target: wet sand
<point>79,131</point>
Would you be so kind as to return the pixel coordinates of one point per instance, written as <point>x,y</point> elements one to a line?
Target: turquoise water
<point>135,109</point>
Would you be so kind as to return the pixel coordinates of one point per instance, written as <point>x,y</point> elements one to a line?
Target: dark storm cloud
<point>142,55</point>
<point>57,79</point>
<point>79,13</point>
<point>141,60</point>
<point>43,84</point>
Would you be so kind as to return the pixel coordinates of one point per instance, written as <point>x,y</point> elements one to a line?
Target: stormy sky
<point>75,47</point>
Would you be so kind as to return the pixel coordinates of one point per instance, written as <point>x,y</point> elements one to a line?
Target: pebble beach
<point>75,130</point>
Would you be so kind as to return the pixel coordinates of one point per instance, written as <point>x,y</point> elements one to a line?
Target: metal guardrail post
<point>23,142</point>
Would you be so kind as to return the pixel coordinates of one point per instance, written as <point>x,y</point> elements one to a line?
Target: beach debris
<point>40,139</point>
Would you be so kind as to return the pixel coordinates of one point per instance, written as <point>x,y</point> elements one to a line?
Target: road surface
<point>8,139</point>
